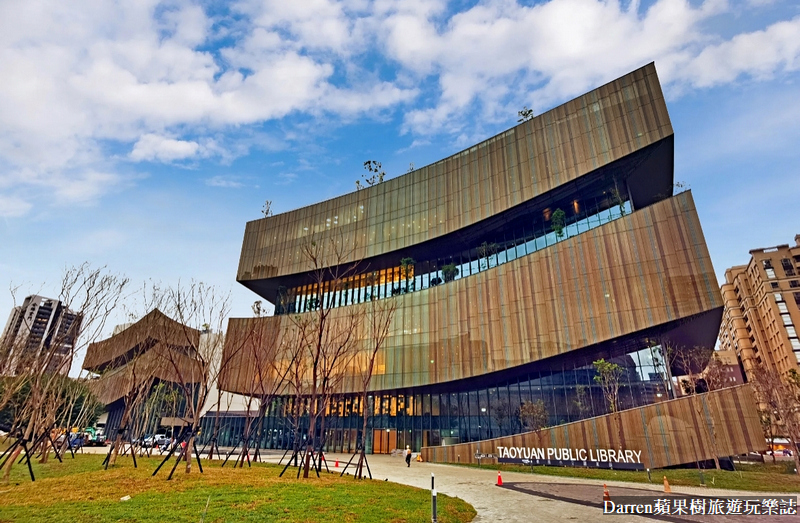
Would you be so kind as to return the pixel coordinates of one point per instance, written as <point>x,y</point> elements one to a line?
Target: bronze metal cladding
<point>554,148</point>
<point>154,327</point>
<point>684,430</point>
<point>648,268</point>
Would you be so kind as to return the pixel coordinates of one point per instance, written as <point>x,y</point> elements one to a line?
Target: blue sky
<point>144,136</point>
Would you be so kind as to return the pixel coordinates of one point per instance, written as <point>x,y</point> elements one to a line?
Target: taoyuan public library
<point>514,265</point>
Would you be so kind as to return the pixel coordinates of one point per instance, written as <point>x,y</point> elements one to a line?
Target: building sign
<point>567,457</point>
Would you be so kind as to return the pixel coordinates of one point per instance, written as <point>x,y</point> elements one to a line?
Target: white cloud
<point>499,54</point>
<point>153,147</point>
<point>759,54</point>
<point>149,77</point>
<point>228,182</point>
<point>286,178</point>
<point>11,206</point>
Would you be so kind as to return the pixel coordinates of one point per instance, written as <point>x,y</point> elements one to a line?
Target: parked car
<point>160,440</point>
<point>77,441</point>
<point>144,441</point>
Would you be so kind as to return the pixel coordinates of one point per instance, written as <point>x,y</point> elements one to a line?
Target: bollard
<point>433,500</point>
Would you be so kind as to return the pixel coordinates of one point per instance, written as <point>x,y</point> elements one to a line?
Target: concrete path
<point>478,487</point>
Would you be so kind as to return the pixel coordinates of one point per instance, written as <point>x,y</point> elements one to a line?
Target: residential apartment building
<point>41,332</point>
<point>762,309</point>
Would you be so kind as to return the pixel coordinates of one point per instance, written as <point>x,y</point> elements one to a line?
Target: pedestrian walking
<point>408,456</point>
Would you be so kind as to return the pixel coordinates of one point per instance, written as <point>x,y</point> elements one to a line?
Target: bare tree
<point>92,294</point>
<point>691,361</point>
<point>525,114</point>
<point>266,210</point>
<point>582,403</point>
<point>768,427</point>
<point>780,396</point>
<point>329,339</point>
<point>376,174</point>
<point>608,376</point>
<point>378,322</point>
<point>268,366</point>
<point>198,309</point>
<point>136,380</point>
<point>534,417</point>
<point>500,410</point>
<point>714,373</point>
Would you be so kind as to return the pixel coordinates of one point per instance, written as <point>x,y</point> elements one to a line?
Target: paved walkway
<point>521,502</point>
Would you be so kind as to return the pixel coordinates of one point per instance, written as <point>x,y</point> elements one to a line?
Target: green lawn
<point>760,477</point>
<point>79,490</point>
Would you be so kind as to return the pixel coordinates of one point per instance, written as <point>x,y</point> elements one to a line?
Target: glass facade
<point>418,419</point>
<point>590,213</point>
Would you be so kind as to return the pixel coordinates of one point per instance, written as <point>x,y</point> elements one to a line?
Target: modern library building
<point>513,265</point>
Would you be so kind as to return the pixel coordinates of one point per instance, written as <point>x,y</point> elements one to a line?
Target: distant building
<point>41,332</point>
<point>762,309</point>
<point>154,350</point>
<point>728,372</point>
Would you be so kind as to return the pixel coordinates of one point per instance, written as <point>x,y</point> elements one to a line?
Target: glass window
<point>770,273</point>
<point>787,320</point>
<point>795,343</point>
<point>790,331</point>
<point>788,268</point>
<point>778,296</point>
<point>782,307</point>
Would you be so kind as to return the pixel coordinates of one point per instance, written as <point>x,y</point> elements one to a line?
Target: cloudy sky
<point>143,135</point>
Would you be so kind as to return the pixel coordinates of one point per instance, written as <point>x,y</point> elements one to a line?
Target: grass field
<point>79,490</point>
<point>759,477</point>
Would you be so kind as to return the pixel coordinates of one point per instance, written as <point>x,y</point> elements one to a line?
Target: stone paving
<point>530,497</point>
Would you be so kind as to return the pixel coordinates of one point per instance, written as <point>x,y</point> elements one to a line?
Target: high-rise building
<point>762,309</point>
<point>513,266</point>
<point>41,332</point>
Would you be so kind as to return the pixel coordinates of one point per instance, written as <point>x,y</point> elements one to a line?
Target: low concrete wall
<point>683,430</point>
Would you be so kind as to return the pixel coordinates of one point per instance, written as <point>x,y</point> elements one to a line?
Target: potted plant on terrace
<point>449,272</point>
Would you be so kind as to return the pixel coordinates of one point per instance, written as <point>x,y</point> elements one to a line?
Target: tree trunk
<point>115,451</point>
<point>365,415</point>
<point>307,464</point>
<point>45,451</point>
<point>11,461</point>
<point>312,426</point>
<point>188,454</point>
<point>710,431</point>
<point>216,427</point>
<point>322,441</point>
<point>245,441</point>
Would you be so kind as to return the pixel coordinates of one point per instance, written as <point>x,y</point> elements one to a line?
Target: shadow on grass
<point>79,488</point>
